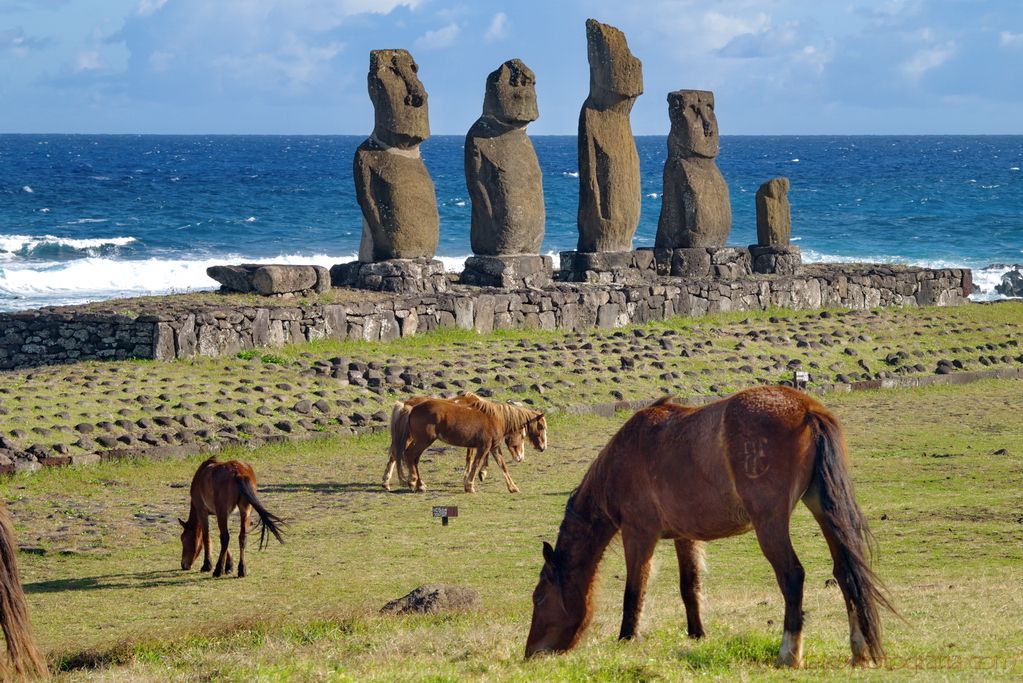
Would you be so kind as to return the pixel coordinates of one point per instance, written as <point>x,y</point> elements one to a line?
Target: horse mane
<point>513,417</point>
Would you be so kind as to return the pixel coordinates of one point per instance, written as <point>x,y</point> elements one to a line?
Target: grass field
<point>939,473</point>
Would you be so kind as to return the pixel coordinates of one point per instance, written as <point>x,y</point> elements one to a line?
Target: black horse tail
<point>268,521</point>
<point>21,650</point>
<point>842,519</point>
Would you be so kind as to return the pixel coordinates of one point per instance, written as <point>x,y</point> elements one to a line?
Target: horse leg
<point>412,455</point>
<point>773,537</point>
<point>857,642</point>
<point>690,563</point>
<point>244,512</point>
<point>639,548</point>
<point>225,538</point>
<point>207,543</point>
<point>512,488</point>
<point>389,470</point>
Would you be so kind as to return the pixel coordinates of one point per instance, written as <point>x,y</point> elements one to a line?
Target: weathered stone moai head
<point>774,221</point>
<point>399,99</point>
<point>511,94</point>
<point>694,127</point>
<point>615,73</point>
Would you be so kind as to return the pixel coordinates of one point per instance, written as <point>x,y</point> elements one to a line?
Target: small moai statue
<point>502,172</point>
<point>774,216</point>
<point>695,210</point>
<point>609,179</point>
<point>392,185</point>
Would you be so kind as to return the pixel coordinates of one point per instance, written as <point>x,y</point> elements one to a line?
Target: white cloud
<point>927,59</point>
<point>147,7</point>
<point>1007,39</point>
<point>89,60</point>
<point>498,29</point>
<point>294,64</point>
<point>439,38</point>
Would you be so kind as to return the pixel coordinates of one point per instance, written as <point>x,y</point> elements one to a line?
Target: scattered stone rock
<point>434,599</point>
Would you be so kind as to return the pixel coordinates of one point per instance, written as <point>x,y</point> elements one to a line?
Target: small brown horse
<point>699,474</point>
<point>471,427</point>
<point>515,441</point>
<point>22,654</point>
<point>218,488</point>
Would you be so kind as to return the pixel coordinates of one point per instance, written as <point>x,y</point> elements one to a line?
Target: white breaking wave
<point>96,279</point>
<point>16,243</point>
<point>27,188</point>
<point>571,174</point>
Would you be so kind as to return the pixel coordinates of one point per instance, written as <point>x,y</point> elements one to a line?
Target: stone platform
<point>271,279</point>
<point>522,271</point>
<point>399,276</point>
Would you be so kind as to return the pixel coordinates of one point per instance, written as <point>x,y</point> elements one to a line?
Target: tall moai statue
<point>392,185</point>
<point>695,210</point>
<point>502,172</point>
<point>609,181</point>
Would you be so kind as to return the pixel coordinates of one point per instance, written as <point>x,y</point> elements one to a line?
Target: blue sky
<point>299,66</point>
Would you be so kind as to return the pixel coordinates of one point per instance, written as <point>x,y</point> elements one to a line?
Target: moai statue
<point>695,211</point>
<point>392,185</point>
<point>609,187</point>
<point>774,217</point>
<point>502,172</point>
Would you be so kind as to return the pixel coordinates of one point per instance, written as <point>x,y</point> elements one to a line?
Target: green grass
<point>108,602</point>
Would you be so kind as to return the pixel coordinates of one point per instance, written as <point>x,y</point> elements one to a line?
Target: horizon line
<point>537,135</point>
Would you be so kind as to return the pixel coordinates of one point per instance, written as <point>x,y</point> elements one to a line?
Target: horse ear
<point>182,523</point>
<point>548,553</point>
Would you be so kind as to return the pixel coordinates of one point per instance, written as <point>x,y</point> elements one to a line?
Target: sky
<point>299,66</point>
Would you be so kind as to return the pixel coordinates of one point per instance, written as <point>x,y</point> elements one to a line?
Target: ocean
<point>87,217</point>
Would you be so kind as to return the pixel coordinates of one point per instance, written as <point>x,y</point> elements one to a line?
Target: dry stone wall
<point>48,337</point>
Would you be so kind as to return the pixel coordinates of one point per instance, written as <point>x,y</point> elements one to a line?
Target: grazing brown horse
<point>218,488</point>
<point>472,427</point>
<point>515,441</point>
<point>699,474</point>
<point>22,654</point>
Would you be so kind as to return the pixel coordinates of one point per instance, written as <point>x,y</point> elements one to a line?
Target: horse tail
<point>842,517</point>
<point>21,650</point>
<point>399,434</point>
<point>399,438</point>
<point>268,521</point>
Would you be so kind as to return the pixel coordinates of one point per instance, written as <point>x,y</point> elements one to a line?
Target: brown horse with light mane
<point>480,427</point>
<point>22,654</point>
<point>699,474</point>
<point>218,488</point>
<point>515,441</point>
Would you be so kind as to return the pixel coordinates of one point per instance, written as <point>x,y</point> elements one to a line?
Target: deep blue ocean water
<point>93,217</point>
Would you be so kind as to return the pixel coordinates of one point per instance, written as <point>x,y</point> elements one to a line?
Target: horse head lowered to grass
<point>699,474</point>
<point>218,488</point>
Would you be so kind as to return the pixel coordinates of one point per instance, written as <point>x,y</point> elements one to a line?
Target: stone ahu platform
<point>185,326</point>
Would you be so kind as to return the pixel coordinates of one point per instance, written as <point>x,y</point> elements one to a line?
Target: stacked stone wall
<point>48,337</point>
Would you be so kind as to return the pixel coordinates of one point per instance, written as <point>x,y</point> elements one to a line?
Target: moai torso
<point>392,185</point>
<point>609,178</point>
<point>502,172</point>
<point>695,209</point>
<point>774,217</point>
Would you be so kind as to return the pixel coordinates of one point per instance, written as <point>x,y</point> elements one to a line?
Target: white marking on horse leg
<point>860,651</point>
<point>387,474</point>
<point>791,653</point>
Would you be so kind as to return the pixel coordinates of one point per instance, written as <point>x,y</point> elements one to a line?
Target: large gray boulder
<point>774,216</point>
<point>502,172</point>
<point>392,185</point>
<point>1012,283</point>
<point>695,210</point>
<point>432,599</point>
<point>609,180</point>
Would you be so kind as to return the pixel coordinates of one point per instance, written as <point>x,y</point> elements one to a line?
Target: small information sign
<point>444,512</point>
<point>801,379</point>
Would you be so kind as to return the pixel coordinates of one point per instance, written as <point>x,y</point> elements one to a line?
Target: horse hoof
<point>241,572</point>
<point>217,573</point>
<point>513,489</point>
<point>206,567</point>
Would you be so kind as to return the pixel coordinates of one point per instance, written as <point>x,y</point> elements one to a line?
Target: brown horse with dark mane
<point>515,441</point>
<point>479,427</point>
<point>699,474</point>
<point>22,654</point>
<point>218,488</point>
